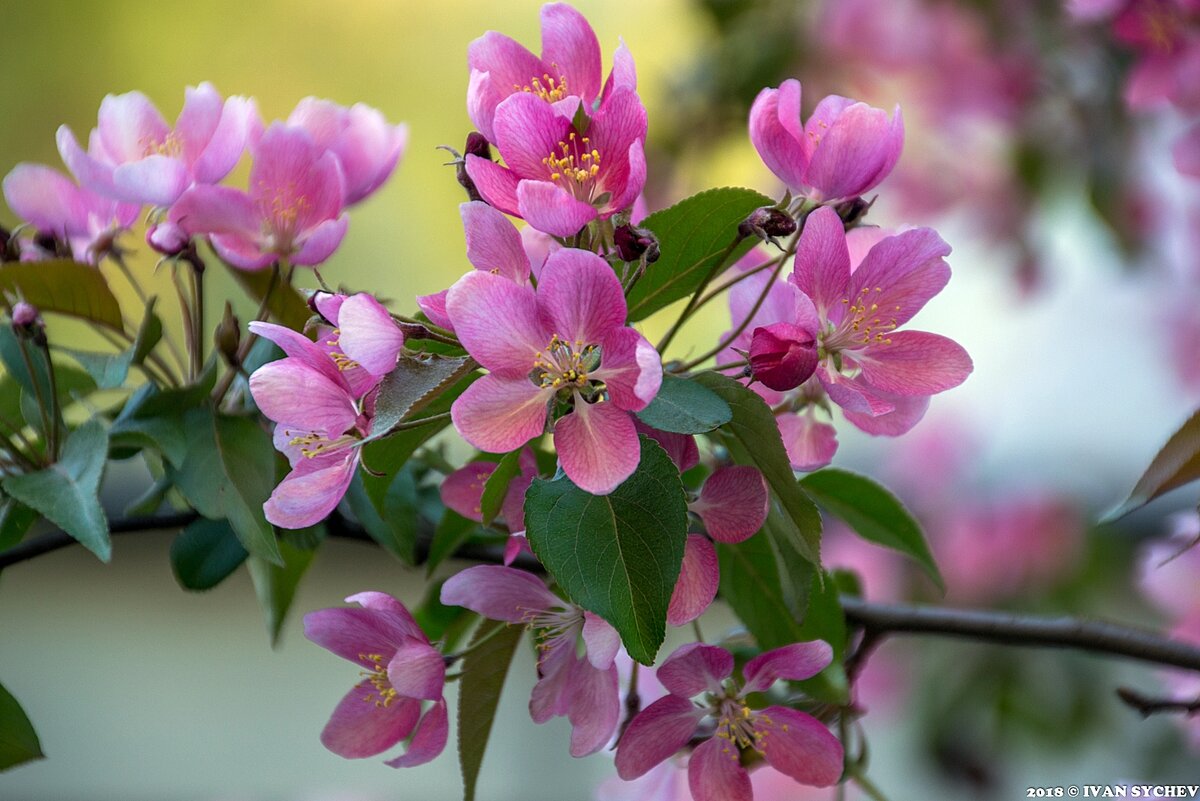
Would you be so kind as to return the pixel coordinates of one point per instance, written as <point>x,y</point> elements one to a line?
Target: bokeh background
<point>1075,274</point>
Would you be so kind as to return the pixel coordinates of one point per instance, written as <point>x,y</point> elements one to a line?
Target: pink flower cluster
<point>305,172</point>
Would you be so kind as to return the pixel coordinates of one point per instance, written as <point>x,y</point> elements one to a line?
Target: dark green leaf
<point>286,305</point>
<point>692,236</point>
<point>63,286</point>
<point>497,485</point>
<point>398,532</point>
<point>18,741</point>
<point>413,385</point>
<point>275,585</point>
<point>168,401</point>
<point>65,493</point>
<point>15,520</point>
<point>205,554</point>
<point>483,674</point>
<point>149,501</point>
<point>753,438</point>
<point>750,584</point>
<point>826,621</point>
<point>109,370</point>
<point>876,514</point>
<point>683,406</point>
<point>1177,463</point>
<point>617,555</point>
<point>451,533</point>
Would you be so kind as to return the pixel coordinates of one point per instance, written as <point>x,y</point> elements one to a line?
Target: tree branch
<point>1149,706</point>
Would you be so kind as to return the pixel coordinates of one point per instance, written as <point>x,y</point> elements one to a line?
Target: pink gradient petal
<point>359,729</point>
<point>733,503</point>
<point>594,708</point>
<point>630,368</point>
<point>157,180</point>
<point>46,199</point>
<point>499,593</point>
<point>238,124</point>
<point>129,125</point>
<point>307,495</point>
<point>854,394</point>
<point>810,445</point>
<point>569,43</point>
<point>513,508</point>
<point>822,269</point>
<point>597,446</point>
<point>509,61</point>
<point>800,746</point>
<point>462,490</point>
<point>617,125</point>
<point>397,612</point>
<point>551,696</point>
<point>1186,152</point>
<point>697,585</point>
<point>292,176</point>
<point>216,210</point>
<point>601,639</point>
<point>550,208</point>
<point>429,739</point>
<point>580,297</point>
<point>514,546</point>
<point>655,734</point>
<point>626,186</point>
<point>299,347</point>
<point>782,356</point>
<point>90,172</point>
<point>434,307</point>
<point>915,363</point>
<point>482,98</point>
<point>498,323</point>
<point>901,273</point>
<point>795,662</point>
<point>497,185</point>
<point>498,415</point>
<point>369,335</point>
<point>695,668</point>
<point>527,131</point>
<point>352,632</point>
<point>417,670</point>
<point>680,447</point>
<point>907,413</point>
<point>715,774</point>
<point>856,153</point>
<point>321,241</point>
<point>779,306</point>
<point>623,74</point>
<point>776,140</point>
<point>288,390</point>
<point>493,243</point>
<point>242,252</point>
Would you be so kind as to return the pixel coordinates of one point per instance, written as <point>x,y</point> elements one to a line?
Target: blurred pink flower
<point>366,146</point>
<point>1169,572</point>
<point>401,670</point>
<point>462,490</point>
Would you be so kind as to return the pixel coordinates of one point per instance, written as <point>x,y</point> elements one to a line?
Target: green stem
<point>189,326</point>
<point>119,260</point>
<point>475,646</point>
<point>37,391</point>
<point>277,277</point>
<point>693,302</point>
<point>198,315</point>
<point>55,412</point>
<point>433,418</point>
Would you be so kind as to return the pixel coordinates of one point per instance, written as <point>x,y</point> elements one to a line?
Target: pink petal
<point>306,496</point>
<point>601,639</point>
<point>514,546</point>
<point>716,774</point>
<point>680,447</point>
<point>733,503</point>
<point>217,210</point>
<point>779,306</point>
<point>794,662</point>
<point>46,199</point>
<point>293,182</point>
<point>855,153</point>
<point>499,593</point>
<point>901,274</point>
<point>130,126</point>
<point>299,347</point>
<point>513,508</point>
<point>569,43</point>
<point>1186,152</point>
<point>368,149</point>
<point>580,297</point>
<point>854,394</point>
<point>695,668</point>
<point>915,363</point>
<point>289,391</point>
<point>775,140</point>
<point>493,243</point>
<point>429,740</point>
<point>822,268</point>
<point>156,180</point>
<point>462,490</point>
<point>630,368</point>
<point>321,241</point>
<point>800,746</point>
<point>353,633</point>
<point>417,670</point>
<point>623,74</point>
<point>397,612</point>
<point>907,413</point>
<point>782,356</point>
<point>655,734</point>
<point>616,126</point>
<point>594,708</point>
<point>625,184</point>
<point>89,171</point>
<point>810,445</point>
<point>550,208</point>
<point>508,61</point>
<point>498,323</point>
<point>538,246</point>
<point>697,585</point>
<point>597,446</point>
<point>369,335</point>
<point>242,251</point>
<point>551,695</point>
<point>498,415</point>
<point>497,185</point>
<point>359,728</point>
<point>238,122</point>
<point>483,96</point>
<point>527,131</point>
<point>434,307</point>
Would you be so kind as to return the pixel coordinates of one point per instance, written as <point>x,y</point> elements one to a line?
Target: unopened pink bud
<point>24,314</point>
<point>782,356</point>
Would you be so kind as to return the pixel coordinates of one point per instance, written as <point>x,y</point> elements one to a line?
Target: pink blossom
<point>293,210</point>
<point>364,340</point>
<point>733,503</point>
<point>782,355</point>
<point>462,490</point>
<point>566,342</point>
<point>51,203</point>
<point>1169,571</point>
<point>582,687</point>
<point>566,75</point>
<point>134,156</point>
<point>696,588</point>
<point>366,146</point>
<point>792,742</point>
<point>559,179</point>
<point>845,148</point>
<point>401,669</point>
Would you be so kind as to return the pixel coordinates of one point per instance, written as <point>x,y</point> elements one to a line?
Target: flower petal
<point>493,243</point>
<point>795,662</point>
<point>800,746</point>
<point>307,496</point>
<point>46,199</point>
<point>695,668</point>
<point>551,695</point>
<point>321,241</point>
<point>716,774</point>
<point>733,503</point>
<point>299,347</point>
<point>681,448</point>
<point>497,322</point>
<point>597,446</point>
<point>497,185</point>
<point>697,585</point>
<point>915,363</point>
<point>429,740</point>
<point>498,415</point>
<point>907,412</point>
<point>777,144</point>
<point>594,708</point>
<point>570,44</point>
<point>156,180</point>
<point>88,170</point>
<point>359,728</point>
<point>417,670</point>
<point>856,151</point>
<point>655,734</point>
<point>630,368</point>
<point>353,633</point>
<point>216,210</point>
<point>462,490</point>
<point>1186,152</point>
<point>238,124</point>
<point>290,391</point>
<point>822,268</point>
<point>368,334</point>
<point>550,208</point>
<point>901,273</point>
<point>601,639</point>
<point>499,593</point>
<point>810,445</point>
<point>129,125</point>
<point>434,307</point>
<point>580,297</point>
<point>527,131</point>
<point>396,612</point>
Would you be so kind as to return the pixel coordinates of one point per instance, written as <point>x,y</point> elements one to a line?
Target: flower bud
<point>167,238</point>
<point>853,211</point>
<point>633,243</point>
<point>782,356</point>
<point>477,145</point>
<point>228,335</point>
<point>767,223</point>
<point>24,314</point>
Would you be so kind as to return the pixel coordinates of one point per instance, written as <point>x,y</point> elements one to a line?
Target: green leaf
<point>692,236</point>
<point>109,370</point>
<point>65,493</point>
<point>496,486</point>
<point>750,584</point>
<point>441,623</point>
<point>63,286</point>
<point>876,514</point>
<point>826,621</point>
<point>753,438</point>
<point>18,741</point>
<point>15,520</point>
<point>483,674</point>
<point>411,386</point>
<point>286,305</point>
<point>171,401</point>
<point>452,531</point>
<point>617,555</point>
<point>275,584</point>
<point>1177,463</point>
<point>398,532</point>
<point>205,554</point>
<point>683,406</point>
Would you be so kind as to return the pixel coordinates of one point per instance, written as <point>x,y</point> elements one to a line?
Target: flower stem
<point>693,302</point>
